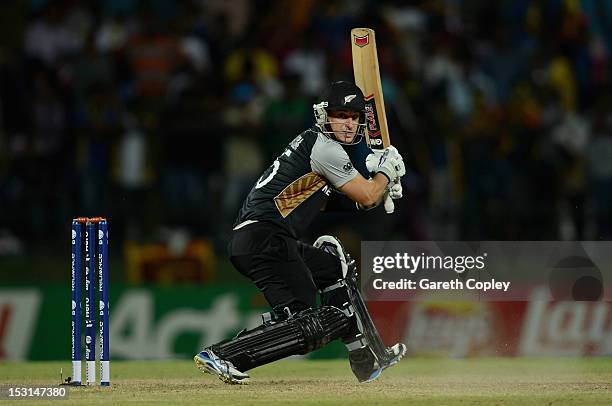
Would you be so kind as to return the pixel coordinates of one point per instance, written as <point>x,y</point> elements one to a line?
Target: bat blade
<point>367,78</point>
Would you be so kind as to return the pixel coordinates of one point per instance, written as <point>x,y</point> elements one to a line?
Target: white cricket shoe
<point>208,362</point>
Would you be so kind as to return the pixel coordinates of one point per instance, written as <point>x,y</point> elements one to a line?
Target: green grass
<point>420,381</point>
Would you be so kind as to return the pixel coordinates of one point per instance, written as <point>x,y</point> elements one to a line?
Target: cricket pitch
<point>422,381</point>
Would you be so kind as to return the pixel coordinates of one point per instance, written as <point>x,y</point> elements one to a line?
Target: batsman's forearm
<point>377,187</point>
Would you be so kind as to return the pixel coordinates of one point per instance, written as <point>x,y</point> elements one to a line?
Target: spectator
<point>48,38</point>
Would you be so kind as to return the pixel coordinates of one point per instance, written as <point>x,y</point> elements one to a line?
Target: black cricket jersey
<point>292,191</point>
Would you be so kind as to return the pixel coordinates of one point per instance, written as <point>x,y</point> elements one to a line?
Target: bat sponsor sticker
<point>361,41</point>
<point>373,125</point>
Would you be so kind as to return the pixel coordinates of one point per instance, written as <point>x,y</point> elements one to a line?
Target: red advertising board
<point>537,327</point>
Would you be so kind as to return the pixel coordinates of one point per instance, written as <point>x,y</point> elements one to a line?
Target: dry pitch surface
<point>413,382</point>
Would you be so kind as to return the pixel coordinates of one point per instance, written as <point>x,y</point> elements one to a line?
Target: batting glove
<point>395,191</point>
<point>388,162</point>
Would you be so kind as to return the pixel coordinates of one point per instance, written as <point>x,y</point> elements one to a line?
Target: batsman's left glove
<point>389,162</point>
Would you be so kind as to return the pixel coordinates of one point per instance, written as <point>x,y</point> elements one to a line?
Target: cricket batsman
<point>314,172</point>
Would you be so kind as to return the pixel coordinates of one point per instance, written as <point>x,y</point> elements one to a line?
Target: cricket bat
<point>367,78</point>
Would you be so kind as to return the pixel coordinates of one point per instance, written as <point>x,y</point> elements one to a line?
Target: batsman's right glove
<point>395,190</point>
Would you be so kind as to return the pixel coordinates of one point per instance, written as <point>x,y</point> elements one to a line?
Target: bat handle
<point>389,205</point>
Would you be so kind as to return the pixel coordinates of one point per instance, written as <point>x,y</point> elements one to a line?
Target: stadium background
<point>160,115</point>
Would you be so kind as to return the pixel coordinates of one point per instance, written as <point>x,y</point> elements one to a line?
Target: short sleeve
<point>329,160</point>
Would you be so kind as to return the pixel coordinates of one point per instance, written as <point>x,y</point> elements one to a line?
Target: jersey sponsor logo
<point>347,167</point>
<point>296,142</point>
<point>349,98</point>
<point>376,141</point>
<point>297,192</point>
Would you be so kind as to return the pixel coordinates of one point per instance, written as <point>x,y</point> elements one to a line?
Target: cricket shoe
<point>207,361</point>
<point>364,364</point>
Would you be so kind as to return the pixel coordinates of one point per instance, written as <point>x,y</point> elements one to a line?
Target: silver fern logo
<point>349,98</point>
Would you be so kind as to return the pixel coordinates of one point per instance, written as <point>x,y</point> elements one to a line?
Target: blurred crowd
<point>161,114</point>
